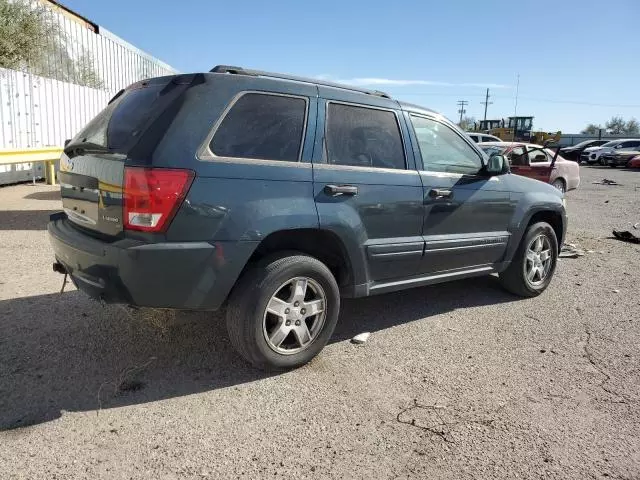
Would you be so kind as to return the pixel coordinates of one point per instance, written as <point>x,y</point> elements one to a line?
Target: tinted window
<point>444,150</point>
<point>264,127</point>
<point>122,119</point>
<point>474,138</point>
<point>363,137</point>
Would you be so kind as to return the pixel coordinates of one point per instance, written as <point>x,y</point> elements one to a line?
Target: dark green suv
<point>276,195</point>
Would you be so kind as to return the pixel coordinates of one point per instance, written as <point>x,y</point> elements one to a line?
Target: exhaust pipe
<point>59,268</point>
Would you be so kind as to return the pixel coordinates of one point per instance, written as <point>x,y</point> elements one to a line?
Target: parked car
<point>592,155</point>
<point>619,158</point>
<point>574,151</point>
<point>276,195</point>
<point>634,162</point>
<point>535,161</point>
<point>483,137</point>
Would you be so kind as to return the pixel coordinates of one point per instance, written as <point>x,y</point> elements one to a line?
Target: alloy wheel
<point>538,261</point>
<point>294,315</point>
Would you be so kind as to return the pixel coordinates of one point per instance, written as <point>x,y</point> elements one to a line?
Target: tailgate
<point>92,165</point>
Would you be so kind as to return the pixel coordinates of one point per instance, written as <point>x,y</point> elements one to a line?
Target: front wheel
<point>283,311</point>
<point>534,263</point>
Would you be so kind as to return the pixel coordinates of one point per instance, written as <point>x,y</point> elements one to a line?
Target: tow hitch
<point>60,268</point>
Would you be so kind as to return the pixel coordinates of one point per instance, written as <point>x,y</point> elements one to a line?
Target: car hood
<point>593,149</point>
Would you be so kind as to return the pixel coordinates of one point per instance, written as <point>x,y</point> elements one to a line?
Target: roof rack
<point>257,73</point>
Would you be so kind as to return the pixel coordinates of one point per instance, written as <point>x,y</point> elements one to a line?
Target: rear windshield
<point>122,119</point>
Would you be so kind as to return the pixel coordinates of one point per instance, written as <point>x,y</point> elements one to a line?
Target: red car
<point>535,161</point>
<point>634,162</point>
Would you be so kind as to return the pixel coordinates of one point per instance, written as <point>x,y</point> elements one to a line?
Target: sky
<point>578,61</point>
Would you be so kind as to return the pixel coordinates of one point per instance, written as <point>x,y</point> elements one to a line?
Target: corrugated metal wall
<point>50,101</point>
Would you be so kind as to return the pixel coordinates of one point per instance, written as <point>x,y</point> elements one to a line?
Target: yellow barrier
<point>49,155</point>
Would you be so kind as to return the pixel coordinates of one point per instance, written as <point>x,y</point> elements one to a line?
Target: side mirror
<point>497,165</point>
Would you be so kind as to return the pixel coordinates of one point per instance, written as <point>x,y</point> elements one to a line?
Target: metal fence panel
<point>51,98</point>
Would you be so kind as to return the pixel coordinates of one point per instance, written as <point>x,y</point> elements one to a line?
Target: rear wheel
<point>534,263</point>
<point>283,311</point>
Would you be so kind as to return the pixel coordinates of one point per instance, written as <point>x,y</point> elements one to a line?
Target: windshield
<point>611,144</point>
<point>492,150</point>
<point>521,123</point>
<point>592,143</point>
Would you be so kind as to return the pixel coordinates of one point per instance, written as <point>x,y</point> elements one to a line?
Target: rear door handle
<point>437,193</point>
<point>336,190</point>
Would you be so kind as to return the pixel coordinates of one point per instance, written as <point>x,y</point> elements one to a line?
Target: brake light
<point>152,196</point>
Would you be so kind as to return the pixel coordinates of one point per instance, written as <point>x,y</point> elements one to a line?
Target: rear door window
<point>364,137</point>
<point>262,127</point>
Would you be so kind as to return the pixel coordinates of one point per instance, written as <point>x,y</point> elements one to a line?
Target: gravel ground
<point>456,381</point>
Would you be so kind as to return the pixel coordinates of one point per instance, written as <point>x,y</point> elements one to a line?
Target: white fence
<point>40,112</point>
<point>48,97</point>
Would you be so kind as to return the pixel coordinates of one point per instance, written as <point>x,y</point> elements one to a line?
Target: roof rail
<point>258,73</point>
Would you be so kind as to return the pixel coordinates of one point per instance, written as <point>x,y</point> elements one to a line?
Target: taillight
<point>152,196</point>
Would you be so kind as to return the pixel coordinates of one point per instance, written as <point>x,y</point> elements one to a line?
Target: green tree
<point>31,41</point>
<point>632,127</point>
<point>467,123</point>
<point>616,126</point>
<point>592,129</point>
<point>25,31</point>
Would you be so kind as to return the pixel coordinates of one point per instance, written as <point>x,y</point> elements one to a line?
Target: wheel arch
<point>322,244</point>
<point>553,217</point>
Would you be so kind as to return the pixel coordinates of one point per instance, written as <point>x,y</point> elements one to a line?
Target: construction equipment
<point>517,129</point>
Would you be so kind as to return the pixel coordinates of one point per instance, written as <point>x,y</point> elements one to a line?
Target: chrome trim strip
<point>356,168</point>
<point>427,278</point>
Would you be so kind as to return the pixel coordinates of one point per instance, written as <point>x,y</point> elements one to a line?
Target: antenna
<point>515,108</point>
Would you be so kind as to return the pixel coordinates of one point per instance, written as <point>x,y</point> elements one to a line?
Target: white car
<point>483,137</point>
<point>592,155</point>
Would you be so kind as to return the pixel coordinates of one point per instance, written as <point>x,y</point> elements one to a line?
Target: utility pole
<point>462,111</point>
<point>486,103</point>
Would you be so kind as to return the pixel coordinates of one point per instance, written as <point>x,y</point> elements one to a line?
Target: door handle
<point>437,193</point>
<point>336,190</point>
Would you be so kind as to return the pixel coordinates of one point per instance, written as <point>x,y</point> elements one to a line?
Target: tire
<point>250,325</point>
<point>514,278</point>
<point>560,185</point>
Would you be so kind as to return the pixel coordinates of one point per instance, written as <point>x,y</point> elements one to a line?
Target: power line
<point>462,111</point>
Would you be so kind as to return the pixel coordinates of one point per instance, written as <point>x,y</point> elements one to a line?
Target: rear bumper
<point>191,275</point>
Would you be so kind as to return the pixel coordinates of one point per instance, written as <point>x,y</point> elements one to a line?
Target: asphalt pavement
<point>457,381</point>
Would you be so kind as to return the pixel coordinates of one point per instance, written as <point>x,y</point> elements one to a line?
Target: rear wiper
<point>75,149</point>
